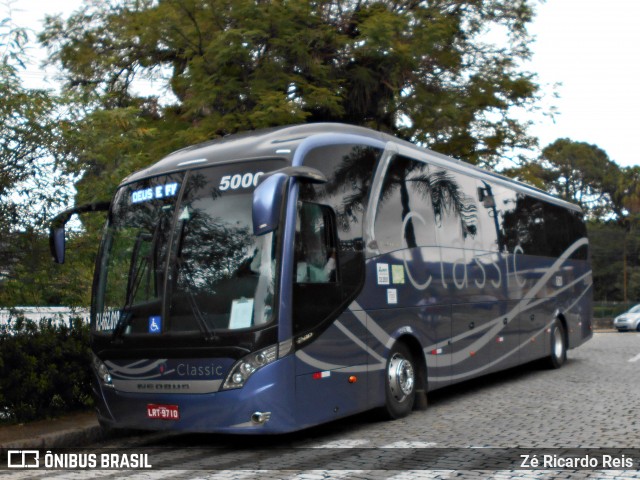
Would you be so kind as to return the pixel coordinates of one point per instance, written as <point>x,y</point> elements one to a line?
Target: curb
<point>62,439</point>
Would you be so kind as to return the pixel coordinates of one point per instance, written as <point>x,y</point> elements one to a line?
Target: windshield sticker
<point>154,193</point>
<point>185,215</point>
<point>383,273</point>
<point>392,296</point>
<point>397,274</point>
<point>155,324</point>
<point>241,313</point>
<point>108,319</point>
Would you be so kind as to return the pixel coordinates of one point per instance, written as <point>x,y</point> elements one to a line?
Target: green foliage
<point>610,309</point>
<point>615,257</point>
<point>45,369</point>
<point>30,188</point>
<point>575,171</point>
<point>12,39</point>
<point>584,174</point>
<point>424,71</point>
<point>579,172</point>
<point>31,278</point>
<point>27,138</point>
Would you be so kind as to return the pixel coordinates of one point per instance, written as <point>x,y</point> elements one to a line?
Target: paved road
<point>592,402</point>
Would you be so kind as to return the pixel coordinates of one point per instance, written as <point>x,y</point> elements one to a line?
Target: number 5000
<point>234,182</point>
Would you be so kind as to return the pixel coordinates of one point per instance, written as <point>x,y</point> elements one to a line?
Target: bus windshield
<point>179,256</point>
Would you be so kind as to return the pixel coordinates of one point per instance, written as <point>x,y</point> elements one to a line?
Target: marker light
<point>245,367</point>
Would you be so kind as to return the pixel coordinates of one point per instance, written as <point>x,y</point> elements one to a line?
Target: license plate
<point>163,412</point>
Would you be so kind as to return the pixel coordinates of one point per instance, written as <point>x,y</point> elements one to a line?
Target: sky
<point>586,51</point>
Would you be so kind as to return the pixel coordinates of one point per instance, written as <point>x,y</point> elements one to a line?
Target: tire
<point>558,345</point>
<point>400,382</point>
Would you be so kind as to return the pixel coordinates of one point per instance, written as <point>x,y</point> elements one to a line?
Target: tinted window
<point>523,224</point>
<point>315,260</point>
<point>490,204</point>
<point>404,215</point>
<point>563,229</point>
<point>456,212</point>
<point>134,254</point>
<point>225,276</point>
<point>539,228</point>
<point>349,170</point>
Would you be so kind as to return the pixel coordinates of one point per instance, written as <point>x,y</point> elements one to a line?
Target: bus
<point>270,281</point>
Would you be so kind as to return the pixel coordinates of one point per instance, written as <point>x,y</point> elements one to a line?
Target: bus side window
<point>315,246</point>
<point>523,224</point>
<point>405,215</point>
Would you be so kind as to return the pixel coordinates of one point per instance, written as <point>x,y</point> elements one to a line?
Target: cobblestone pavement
<point>592,402</point>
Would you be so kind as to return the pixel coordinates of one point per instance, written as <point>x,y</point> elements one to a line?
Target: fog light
<point>260,417</point>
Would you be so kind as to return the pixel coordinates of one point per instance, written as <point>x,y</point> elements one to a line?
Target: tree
<point>625,196</point>
<point>27,127</point>
<point>609,262</point>
<point>30,188</point>
<point>580,173</point>
<point>422,70</point>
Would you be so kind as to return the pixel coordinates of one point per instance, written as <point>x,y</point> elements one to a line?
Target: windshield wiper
<point>193,304</point>
<point>126,314</point>
<point>195,309</point>
<point>136,272</point>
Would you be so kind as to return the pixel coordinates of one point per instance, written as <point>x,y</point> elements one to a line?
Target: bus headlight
<point>245,367</point>
<point>102,371</point>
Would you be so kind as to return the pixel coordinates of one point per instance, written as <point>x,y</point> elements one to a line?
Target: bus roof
<point>281,142</point>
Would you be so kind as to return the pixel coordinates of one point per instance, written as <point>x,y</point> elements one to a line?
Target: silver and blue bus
<point>270,281</point>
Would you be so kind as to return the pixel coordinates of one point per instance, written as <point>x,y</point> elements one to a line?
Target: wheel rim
<point>558,344</point>
<point>401,377</point>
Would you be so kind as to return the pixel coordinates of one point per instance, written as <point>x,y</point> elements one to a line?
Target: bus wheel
<point>400,382</point>
<point>558,350</point>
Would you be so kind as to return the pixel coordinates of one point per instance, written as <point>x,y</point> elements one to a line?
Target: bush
<point>610,309</point>
<point>45,369</point>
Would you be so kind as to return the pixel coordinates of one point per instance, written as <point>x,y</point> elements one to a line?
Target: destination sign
<point>154,193</point>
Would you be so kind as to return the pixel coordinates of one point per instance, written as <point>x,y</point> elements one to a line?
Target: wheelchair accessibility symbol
<point>155,324</point>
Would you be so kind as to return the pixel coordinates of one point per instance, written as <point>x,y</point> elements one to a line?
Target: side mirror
<point>268,197</point>
<point>267,204</point>
<point>57,244</point>
<point>57,231</point>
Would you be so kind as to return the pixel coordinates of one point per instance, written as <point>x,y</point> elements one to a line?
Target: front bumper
<point>227,411</point>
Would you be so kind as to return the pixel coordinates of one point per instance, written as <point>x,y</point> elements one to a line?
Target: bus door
<point>329,326</point>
